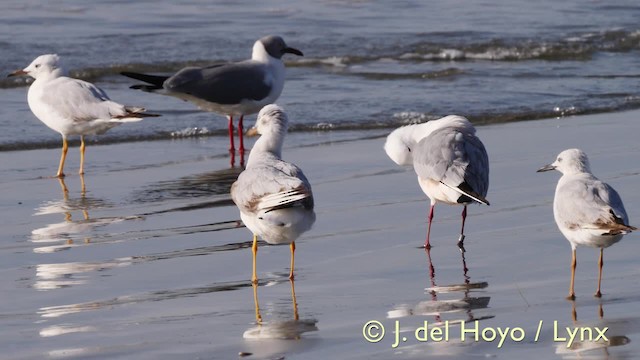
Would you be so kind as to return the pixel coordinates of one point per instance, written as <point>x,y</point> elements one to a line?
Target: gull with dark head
<point>450,160</point>
<point>273,196</point>
<point>231,89</point>
<point>71,106</point>
<point>587,211</point>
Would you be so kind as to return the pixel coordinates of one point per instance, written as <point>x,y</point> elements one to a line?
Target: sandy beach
<point>151,262</point>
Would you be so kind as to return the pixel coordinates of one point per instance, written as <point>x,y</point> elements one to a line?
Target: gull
<point>71,106</point>
<point>450,160</point>
<point>587,211</point>
<point>273,196</point>
<point>232,89</point>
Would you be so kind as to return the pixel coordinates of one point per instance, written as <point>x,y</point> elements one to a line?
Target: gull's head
<point>399,145</point>
<point>571,161</point>
<point>273,46</point>
<point>271,120</point>
<point>43,65</point>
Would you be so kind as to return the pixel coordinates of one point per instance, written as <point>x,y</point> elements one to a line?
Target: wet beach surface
<point>151,261</point>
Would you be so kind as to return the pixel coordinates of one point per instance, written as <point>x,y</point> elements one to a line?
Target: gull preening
<point>450,160</point>
<point>587,211</point>
<point>273,196</point>
<point>231,89</point>
<point>71,106</point>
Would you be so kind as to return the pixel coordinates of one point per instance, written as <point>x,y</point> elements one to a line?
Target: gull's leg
<point>232,148</point>
<point>254,250</point>
<point>65,147</point>
<point>427,244</point>
<point>572,293</point>
<point>295,302</point>
<point>600,263</point>
<point>293,251</point>
<point>82,147</point>
<point>241,138</point>
<point>255,303</point>
<point>461,239</point>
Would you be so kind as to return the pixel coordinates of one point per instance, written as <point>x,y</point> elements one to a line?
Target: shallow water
<point>150,261</point>
<point>367,64</point>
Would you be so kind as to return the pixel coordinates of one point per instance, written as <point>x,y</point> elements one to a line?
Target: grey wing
<point>271,187</point>
<point>589,203</point>
<point>222,84</point>
<point>79,100</point>
<point>454,158</point>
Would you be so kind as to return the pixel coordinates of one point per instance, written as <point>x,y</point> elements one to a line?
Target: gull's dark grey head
<point>276,47</point>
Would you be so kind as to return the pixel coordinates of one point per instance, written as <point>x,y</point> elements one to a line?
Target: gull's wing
<point>223,84</point>
<point>588,203</point>
<point>455,158</point>
<point>79,100</point>
<point>271,187</point>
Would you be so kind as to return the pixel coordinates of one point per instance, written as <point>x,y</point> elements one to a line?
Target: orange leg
<point>82,147</point>
<point>574,263</point>
<point>254,250</point>
<point>63,156</point>
<point>600,263</point>
<point>293,250</point>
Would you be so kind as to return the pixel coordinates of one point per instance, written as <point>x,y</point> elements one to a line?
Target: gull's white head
<point>273,46</point>
<point>399,145</point>
<point>42,66</point>
<point>272,119</point>
<point>571,161</point>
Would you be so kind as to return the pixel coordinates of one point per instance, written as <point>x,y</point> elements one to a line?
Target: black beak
<point>546,168</point>
<point>18,73</point>
<point>292,51</point>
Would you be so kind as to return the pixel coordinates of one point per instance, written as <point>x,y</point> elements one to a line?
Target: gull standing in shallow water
<point>71,106</point>
<point>587,211</point>
<point>450,160</point>
<point>274,196</point>
<point>233,89</point>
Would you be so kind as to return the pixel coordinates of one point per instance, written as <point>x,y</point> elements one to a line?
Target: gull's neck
<point>269,144</point>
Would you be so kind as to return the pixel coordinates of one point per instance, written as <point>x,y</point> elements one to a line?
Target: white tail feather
<point>282,198</point>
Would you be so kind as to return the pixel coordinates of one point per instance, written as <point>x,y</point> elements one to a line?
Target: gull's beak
<point>546,168</point>
<point>292,51</point>
<point>252,132</point>
<point>18,73</point>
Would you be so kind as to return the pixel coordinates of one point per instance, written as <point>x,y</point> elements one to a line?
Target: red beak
<point>18,73</point>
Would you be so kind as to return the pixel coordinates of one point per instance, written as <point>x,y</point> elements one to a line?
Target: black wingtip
<point>151,79</point>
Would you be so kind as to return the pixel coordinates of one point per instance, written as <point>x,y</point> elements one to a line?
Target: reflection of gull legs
<point>255,303</point>
<point>295,302</point>
<point>63,156</point>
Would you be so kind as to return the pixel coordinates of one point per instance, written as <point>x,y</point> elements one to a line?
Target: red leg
<point>427,244</point>
<point>241,137</point>
<point>232,148</point>
<point>461,239</point>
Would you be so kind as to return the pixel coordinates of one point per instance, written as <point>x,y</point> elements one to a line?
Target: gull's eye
<point>37,66</point>
<point>409,149</point>
<point>559,159</point>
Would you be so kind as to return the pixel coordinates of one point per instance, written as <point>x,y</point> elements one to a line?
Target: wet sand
<point>151,261</point>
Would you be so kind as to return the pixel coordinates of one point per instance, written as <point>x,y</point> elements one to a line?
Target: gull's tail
<point>154,82</point>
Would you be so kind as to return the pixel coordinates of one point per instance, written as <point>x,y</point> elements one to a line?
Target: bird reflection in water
<point>587,341</point>
<point>438,307</point>
<point>279,329</point>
